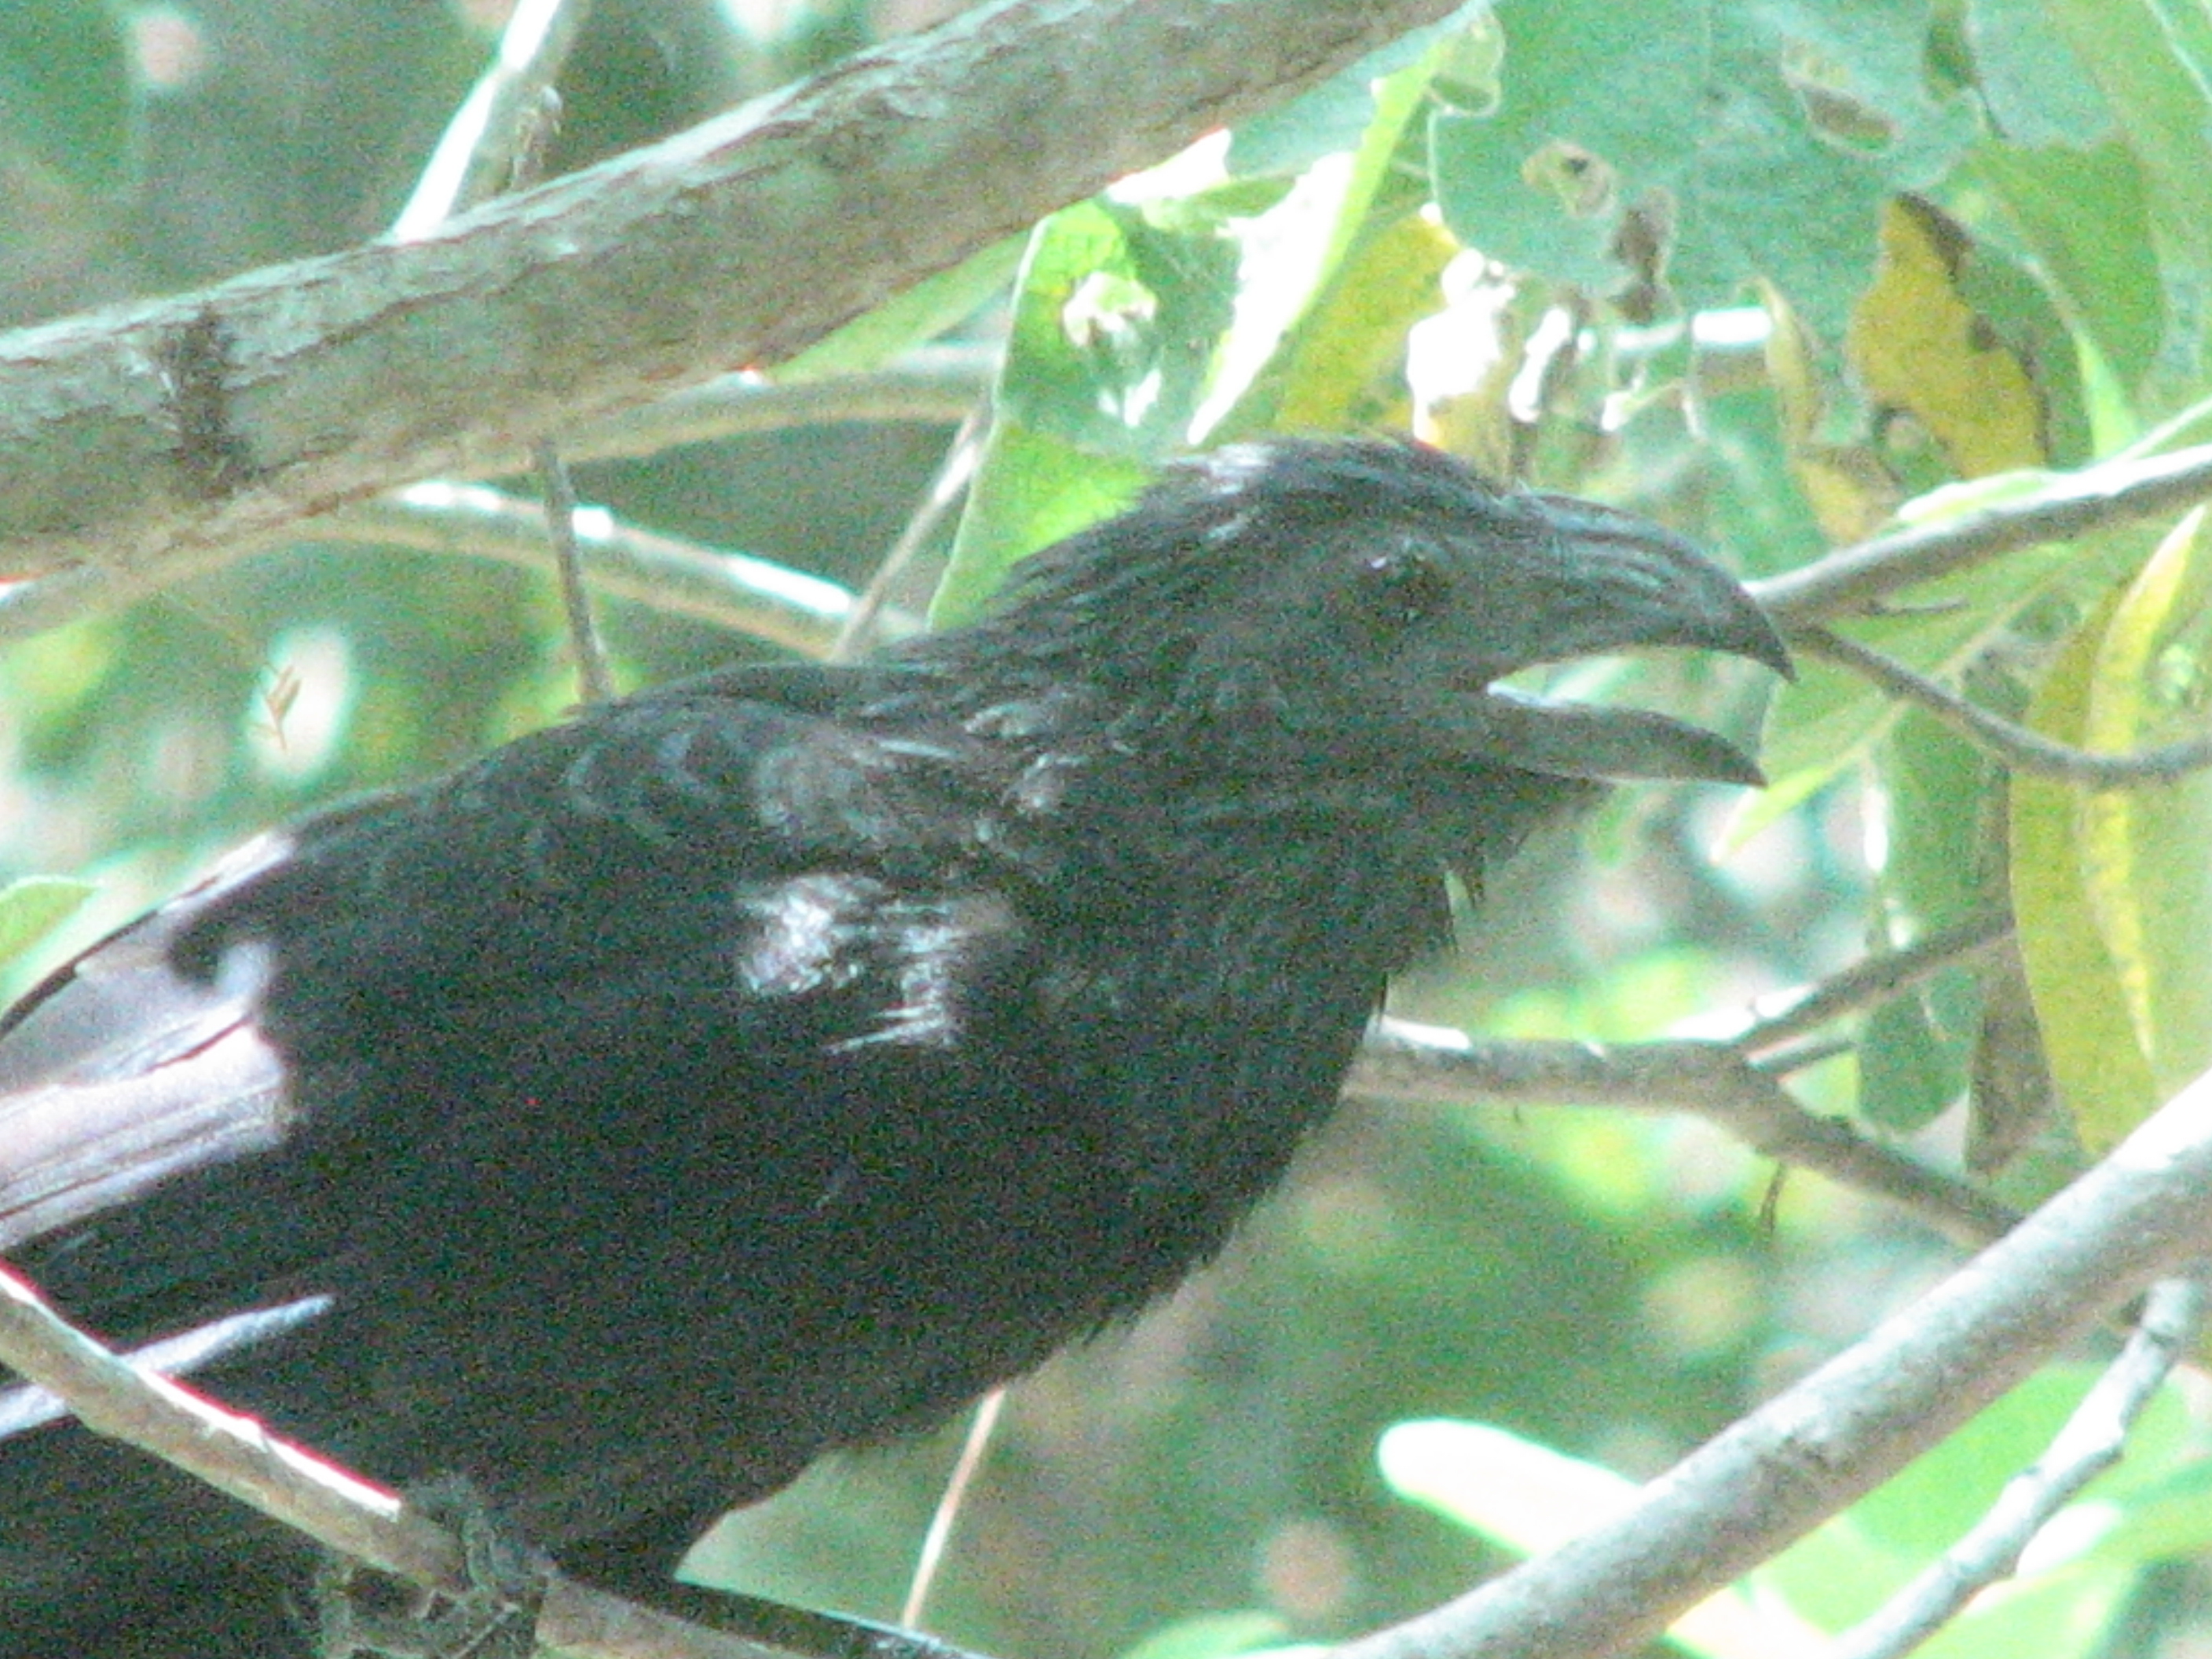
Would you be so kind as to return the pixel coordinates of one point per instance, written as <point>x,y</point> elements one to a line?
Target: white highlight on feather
<point>28,1407</point>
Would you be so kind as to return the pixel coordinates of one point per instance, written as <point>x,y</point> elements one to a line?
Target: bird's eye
<point>1403,586</point>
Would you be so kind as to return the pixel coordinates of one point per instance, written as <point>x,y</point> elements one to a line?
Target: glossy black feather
<point>775,1061</point>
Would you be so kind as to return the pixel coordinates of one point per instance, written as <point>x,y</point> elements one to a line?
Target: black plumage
<point>767,1063</point>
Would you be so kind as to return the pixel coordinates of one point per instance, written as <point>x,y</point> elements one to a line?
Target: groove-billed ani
<point>768,1062</point>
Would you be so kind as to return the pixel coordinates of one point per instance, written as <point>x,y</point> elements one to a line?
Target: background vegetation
<point>1781,274</point>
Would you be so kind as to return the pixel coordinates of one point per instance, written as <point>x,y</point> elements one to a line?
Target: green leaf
<point>1512,1491</point>
<point>2085,217</point>
<point>1115,326</point>
<point>2144,851</point>
<point>34,907</point>
<point>2165,1519</point>
<point>1344,366</point>
<point>2152,61</point>
<point>1139,325</point>
<point>2014,304</point>
<point>1116,318</point>
<point>1940,858</point>
<point>1031,489</point>
<point>2087,1036</point>
<point>1300,279</point>
<point>1939,862</point>
<point>1763,137</point>
<point>1211,1636</point>
<point>1908,1074</point>
<point>2037,87</point>
<point>1336,115</point>
<point>1929,1505</point>
<point>65,91</point>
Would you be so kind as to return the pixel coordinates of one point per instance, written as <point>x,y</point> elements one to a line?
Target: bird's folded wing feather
<point>636,859</point>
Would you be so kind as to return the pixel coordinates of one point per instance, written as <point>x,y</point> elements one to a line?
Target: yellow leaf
<point>2147,851</point>
<point>1919,347</point>
<point>2087,1036</point>
<point>1342,368</point>
<point>1849,490</point>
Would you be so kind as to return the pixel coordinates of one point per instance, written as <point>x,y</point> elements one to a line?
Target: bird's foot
<point>363,1613</point>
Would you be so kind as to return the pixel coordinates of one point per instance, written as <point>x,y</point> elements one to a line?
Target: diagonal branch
<point>2012,743</point>
<point>1400,1060</point>
<point>1873,979</point>
<point>2091,1443</point>
<point>170,427</point>
<point>2112,492</point>
<point>2144,1212</point>
<point>236,1455</point>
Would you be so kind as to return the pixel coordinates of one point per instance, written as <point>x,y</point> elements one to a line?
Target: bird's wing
<point>700,862</point>
<point>118,1071</point>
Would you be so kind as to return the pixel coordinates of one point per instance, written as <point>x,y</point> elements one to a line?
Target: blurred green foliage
<point>1626,250</point>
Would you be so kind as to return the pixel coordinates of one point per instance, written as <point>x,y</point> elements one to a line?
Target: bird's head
<point>1326,594</point>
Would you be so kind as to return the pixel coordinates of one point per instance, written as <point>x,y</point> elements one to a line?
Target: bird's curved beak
<point>1611,582</point>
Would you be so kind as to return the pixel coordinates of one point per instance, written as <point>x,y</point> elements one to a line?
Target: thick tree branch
<point>2145,1211</point>
<point>938,384</point>
<point>157,430</point>
<point>236,1455</point>
<point>2092,1441</point>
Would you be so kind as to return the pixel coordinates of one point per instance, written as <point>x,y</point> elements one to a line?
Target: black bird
<point>774,1061</point>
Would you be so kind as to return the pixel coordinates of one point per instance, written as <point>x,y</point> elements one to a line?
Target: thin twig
<point>1873,979</point>
<point>1797,1057</point>
<point>2012,743</point>
<point>495,139</point>
<point>230,1452</point>
<point>892,582</point>
<point>2110,493</point>
<point>936,385</point>
<point>790,608</point>
<point>972,1446</point>
<point>595,684</point>
<point>1403,1061</point>
<point>496,143</point>
<point>2091,1442</point>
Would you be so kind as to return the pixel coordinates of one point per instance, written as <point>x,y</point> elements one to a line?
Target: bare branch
<point>982,1424</point>
<point>2091,1443</point>
<point>940,384</point>
<point>165,429</point>
<point>2109,493</point>
<point>1872,980</point>
<point>769,601</point>
<point>1403,1061</point>
<point>749,596</point>
<point>2143,1213</point>
<point>338,1510</point>
<point>595,681</point>
<point>898,579</point>
<point>2015,744</point>
<point>229,1452</point>
<point>495,144</point>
